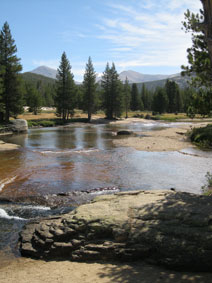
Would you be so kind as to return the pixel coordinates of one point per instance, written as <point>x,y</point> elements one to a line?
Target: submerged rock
<point>162,227</point>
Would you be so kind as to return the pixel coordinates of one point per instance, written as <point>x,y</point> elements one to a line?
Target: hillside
<point>34,78</point>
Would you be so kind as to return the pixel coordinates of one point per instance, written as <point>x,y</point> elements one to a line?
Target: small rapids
<point>14,216</point>
<point>4,214</point>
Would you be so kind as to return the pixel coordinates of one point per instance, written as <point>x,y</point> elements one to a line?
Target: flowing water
<point>81,157</point>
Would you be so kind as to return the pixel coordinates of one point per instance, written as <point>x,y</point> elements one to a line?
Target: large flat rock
<point>163,227</point>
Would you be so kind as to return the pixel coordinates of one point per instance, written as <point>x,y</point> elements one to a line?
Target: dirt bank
<point>170,139</point>
<point>24,270</point>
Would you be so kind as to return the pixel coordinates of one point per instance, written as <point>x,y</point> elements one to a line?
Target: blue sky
<point>139,35</point>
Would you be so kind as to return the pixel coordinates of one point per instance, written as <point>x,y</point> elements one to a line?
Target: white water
<point>4,214</point>
<point>69,151</point>
<point>6,182</point>
<point>37,207</point>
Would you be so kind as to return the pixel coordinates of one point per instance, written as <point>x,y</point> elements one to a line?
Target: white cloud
<point>149,33</point>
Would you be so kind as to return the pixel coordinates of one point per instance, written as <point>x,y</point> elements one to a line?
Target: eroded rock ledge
<point>163,227</point>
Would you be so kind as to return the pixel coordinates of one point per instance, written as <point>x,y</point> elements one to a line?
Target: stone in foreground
<point>162,227</point>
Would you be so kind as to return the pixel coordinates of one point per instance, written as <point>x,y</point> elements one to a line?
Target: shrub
<point>207,189</point>
<point>202,136</point>
<point>138,115</point>
<point>148,117</point>
<point>156,118</point>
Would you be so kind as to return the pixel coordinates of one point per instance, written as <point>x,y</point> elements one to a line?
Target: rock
<point>126,133</point>
<point>161,227</point>
<point>8,146</point>
<point>19,126</point>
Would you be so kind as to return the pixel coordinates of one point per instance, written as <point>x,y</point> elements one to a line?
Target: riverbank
<point>24,270</point>
<point>170,139</point>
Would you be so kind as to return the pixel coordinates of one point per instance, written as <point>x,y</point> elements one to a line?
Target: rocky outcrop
<point>19,126</point>
<point>163,227</point>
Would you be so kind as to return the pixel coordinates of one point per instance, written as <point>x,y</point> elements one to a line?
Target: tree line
<point>110,95</point>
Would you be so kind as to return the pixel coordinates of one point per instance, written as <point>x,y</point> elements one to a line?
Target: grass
<point>53,122</point>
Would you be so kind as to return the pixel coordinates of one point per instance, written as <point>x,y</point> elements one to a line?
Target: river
<point>83,157</point>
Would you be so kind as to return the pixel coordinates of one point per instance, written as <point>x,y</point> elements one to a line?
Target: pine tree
<point>65,89</point>
<point>112,92</point>
<point>127,97</point>
<point>11,102</point>
<point>106,91</point>
<point>144,96</point>
<point>135,98</point>
<point>199,63</point>
<point>200,57</point>
<point>116,93</point>
<point>34,99</point>
<point>89,89</point>
<point>160,101</point>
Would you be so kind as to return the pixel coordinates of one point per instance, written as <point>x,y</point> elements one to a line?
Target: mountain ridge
<point>45,71</point>
<point>133,76</point>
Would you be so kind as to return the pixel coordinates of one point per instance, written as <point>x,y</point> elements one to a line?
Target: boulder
<point>160,227</point>
<point>124,133</point>
<point>19,126</point>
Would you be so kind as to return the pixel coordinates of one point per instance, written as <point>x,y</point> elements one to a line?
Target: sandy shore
<point>25,270</point>
<point>170,139</point>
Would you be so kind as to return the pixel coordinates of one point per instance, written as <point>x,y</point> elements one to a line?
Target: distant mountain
<point>45,71</point>
<point>152,85</point>
<point>151,81</point>
<point>135,77</point>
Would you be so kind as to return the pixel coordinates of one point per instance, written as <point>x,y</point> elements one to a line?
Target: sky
<point>141,35</point>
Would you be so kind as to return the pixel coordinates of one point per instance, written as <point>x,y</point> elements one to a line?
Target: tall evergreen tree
<point>11,101</point>
<point>135,98</point>
<point>144,96</point>
<point>112,92</point>
<point>160,101</point>
<point>174,97</point>
<point>116,93</point>
<point>65,89</point>
<point>199,63</point>
<point>127,97</point>
<point>106,90</point>
<point>33,99</point>
<point>89,89</point>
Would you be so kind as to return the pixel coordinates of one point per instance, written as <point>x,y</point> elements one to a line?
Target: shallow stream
<point>82,157</point>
